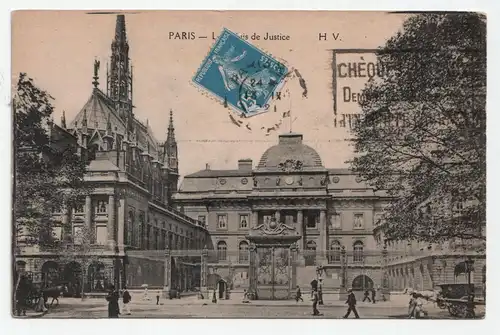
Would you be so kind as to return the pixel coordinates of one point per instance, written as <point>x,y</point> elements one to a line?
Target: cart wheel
<point>454,310</point>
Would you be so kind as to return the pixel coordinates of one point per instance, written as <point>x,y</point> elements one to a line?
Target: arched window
<point>310,256</point>
<point>335,249</point>
<point>222,251</point>
<point>243,252</point>
<point>358,251</point>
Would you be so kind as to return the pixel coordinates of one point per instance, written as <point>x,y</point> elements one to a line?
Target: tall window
<point>312,220</point>
<point>129,229</point>
<point>358,221</point>
<point>222,221</point>
<point>244,221</point>
<point>310,258</point>
<point>335,221</point>
<point>243,252</point>
<point>101,207</point>
<point>222,251</point>
<point>335,249</point>
<point>358,251</point>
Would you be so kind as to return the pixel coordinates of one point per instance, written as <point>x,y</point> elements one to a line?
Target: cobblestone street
<point>194,308</point>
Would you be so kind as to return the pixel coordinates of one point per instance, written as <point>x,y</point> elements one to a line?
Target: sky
<point>57,49</point>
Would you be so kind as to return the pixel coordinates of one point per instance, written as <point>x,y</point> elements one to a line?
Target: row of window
<point>312,221</point>
<point>335,247</point>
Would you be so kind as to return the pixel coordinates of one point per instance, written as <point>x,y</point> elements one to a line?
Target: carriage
<point>459,299</point>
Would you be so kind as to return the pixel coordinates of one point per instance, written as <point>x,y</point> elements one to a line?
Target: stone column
<point>277,215</point>
<point>204,273</point>
<point>322,235</point>
<point>88,216</point>
<point>252,273</point>
<point>111,221</point>
<point>300,223</point>
<point>121,216</point>
<point>167,279</point>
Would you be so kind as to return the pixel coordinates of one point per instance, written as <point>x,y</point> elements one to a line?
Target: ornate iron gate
<point>273,273</point>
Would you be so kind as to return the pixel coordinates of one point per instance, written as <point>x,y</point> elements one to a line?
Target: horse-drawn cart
<point>459,299</point>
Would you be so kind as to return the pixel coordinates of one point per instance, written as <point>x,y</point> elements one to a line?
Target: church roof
<point>96,109</point>
<point>99,108</point>
<point>290,147</point>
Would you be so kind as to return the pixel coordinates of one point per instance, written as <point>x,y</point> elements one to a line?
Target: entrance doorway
<point>273,269</point>
<point>222,288</point>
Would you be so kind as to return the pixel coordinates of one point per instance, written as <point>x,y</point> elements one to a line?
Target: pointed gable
<point>98,108</point>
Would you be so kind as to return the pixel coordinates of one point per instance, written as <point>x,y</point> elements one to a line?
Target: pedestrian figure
<point>245,297</point>
<point>367,296</point>
<point>351,303</point>
<point>127,298</point>
<point>158,297</point>
<point>315,302</point>
<point>113,307</point>
<point>373,295</point>
<point>145,296</point>
<point>314,286</point>
<point>22,293</point>
<point>298,295</point>
<point>214,298</point>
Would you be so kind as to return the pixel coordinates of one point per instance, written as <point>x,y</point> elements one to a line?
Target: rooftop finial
<point>97,65</point>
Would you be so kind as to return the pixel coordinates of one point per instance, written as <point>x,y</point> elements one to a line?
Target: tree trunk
<point>83,283</point>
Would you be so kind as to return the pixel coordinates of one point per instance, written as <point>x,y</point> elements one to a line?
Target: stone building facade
<point>133,177</point>
<point>317,217</point>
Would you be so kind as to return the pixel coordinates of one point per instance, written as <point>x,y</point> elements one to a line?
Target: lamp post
<point>214,296</point>
<point>469,267</point>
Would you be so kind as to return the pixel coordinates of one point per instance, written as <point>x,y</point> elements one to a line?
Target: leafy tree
<point>82,250</point>
<point>48,172</point>
<point>422,132</point>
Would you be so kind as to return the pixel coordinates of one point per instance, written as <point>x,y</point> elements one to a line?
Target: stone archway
<point>362,283</point>
<point>97,280</point>
<point>72,277</point>
<point>50,273</point>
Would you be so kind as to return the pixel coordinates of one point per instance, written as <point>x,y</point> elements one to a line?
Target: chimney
<point>245,164</point>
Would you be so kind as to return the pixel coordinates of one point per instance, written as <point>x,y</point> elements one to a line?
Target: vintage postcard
<point>249,164</point>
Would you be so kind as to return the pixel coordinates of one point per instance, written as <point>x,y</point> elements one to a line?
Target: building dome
<point>290,149</point>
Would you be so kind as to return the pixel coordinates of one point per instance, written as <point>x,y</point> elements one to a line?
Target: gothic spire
<point>63,120</point>
<point>119,77</point>
<point>170,134</point>
<point>171,145</point>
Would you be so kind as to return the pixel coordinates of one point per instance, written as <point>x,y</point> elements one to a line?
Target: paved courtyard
<point>194,308</point>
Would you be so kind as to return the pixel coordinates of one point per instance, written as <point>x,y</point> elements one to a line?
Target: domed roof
<point>290,149</point>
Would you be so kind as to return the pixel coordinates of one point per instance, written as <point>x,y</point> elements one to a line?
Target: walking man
<point>113,307</point>
<point>315,301</point>
<point>126,301</point>
<point>367,296</point>
<point>298,295</point>
<point>373,295</point>
<point>351,303</point>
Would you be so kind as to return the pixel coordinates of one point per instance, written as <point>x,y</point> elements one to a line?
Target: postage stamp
<point>240,75</point>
